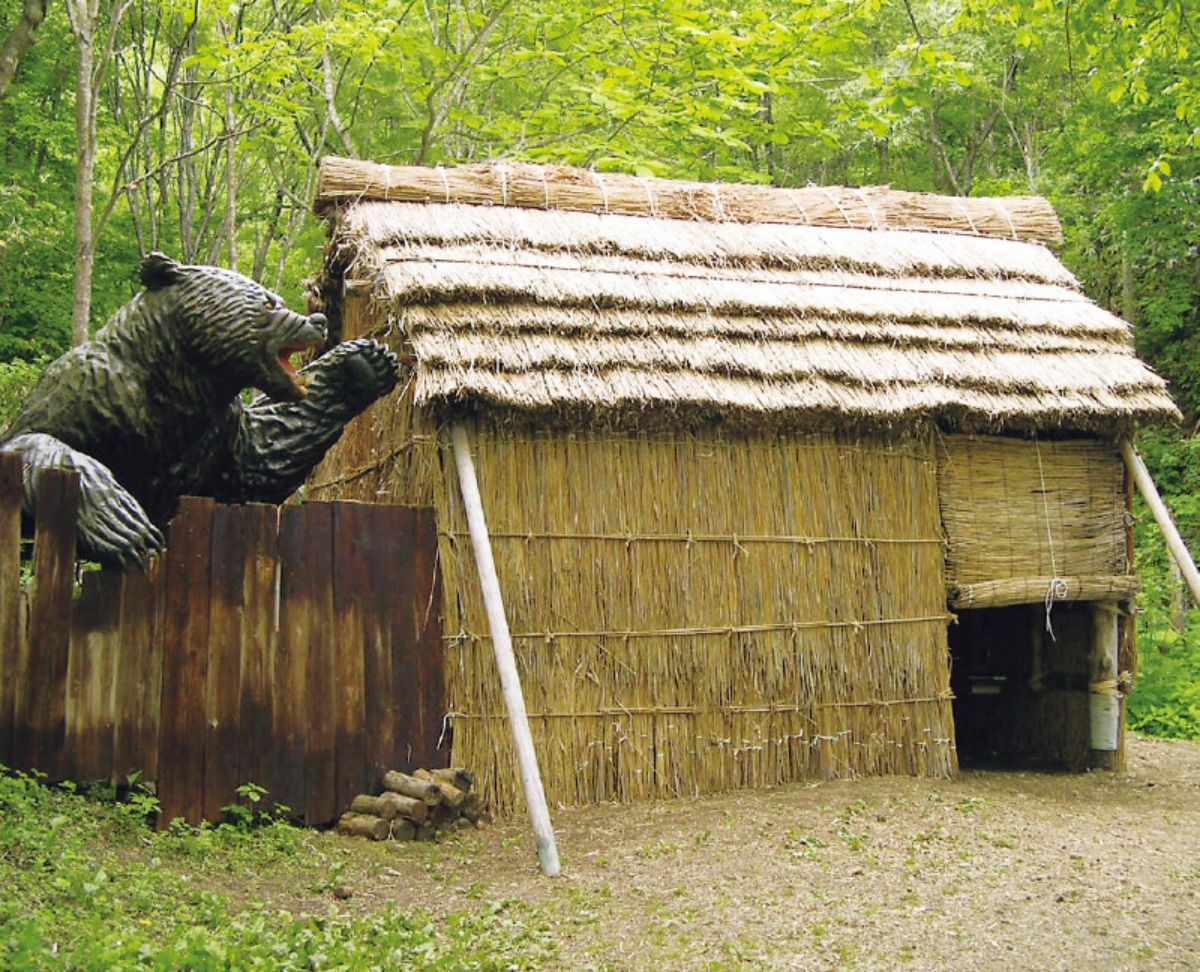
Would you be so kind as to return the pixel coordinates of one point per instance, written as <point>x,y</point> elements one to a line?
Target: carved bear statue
<point>151,408</point>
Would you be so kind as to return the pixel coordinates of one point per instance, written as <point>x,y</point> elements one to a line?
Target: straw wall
<point>694,613</point>
<point>1030,520</point>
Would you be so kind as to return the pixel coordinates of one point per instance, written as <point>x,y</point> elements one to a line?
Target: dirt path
<point>996,870</point>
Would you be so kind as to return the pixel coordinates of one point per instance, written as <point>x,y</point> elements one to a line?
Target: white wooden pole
<point>1162,516</point>
<point>510,680</point>
<point>1104,701</point>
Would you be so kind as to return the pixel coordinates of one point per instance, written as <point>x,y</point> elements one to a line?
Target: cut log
<point>411,809</point>
<point>442,815</point>
<point>377,806</point>
<point>426,831</point>
<point>403,829</point>
<point>458,776</point>
<point>473,806</point>
<point>364,825</point>
<point>451,794</point>
<point>427,791</point>
<point>389,805</point>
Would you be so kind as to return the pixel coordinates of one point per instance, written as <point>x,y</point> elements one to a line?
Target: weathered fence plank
<point>259,751</point>
<point>224,676</point>
<point>406,681</point>
<point>427,632</point>
<point>139,673</point>
<point>353,559</point>
<point>314,583</point>
<point>382,711</point>
<point>42,720</point>
<point>406,690</point>
<point>10,595</point>
<point>295,616</point>
<point>185,662</point>
<point>91,697</point>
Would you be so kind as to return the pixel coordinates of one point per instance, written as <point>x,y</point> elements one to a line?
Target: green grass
<point>86,884</point>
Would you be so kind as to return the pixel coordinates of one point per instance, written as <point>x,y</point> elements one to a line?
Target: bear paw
<point>114,529</point>
<point>357,372</point>
<point>111,525</point>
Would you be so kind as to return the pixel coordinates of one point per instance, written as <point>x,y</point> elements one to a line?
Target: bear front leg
<point>111,526</point>
<point>275,446</point>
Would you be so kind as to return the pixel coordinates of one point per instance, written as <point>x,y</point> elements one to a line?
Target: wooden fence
<point>297,648</point>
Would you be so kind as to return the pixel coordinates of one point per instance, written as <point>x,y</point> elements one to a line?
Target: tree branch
<point>470,54</point>
<point>335,119</point>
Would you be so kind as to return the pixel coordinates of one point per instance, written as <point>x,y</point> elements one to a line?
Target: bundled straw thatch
<point>563,312</point>
<point>1028,521</point>
<point>558,187</point>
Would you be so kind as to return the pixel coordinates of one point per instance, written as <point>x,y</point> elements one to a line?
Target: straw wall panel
<point>693,614</point>
<point>690,613</point>
<point>1024,515</point>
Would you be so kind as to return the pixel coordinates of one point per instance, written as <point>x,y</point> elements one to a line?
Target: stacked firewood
<point>416,807</point>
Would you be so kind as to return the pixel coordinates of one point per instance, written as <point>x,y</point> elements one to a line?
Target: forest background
<point>195,128</point>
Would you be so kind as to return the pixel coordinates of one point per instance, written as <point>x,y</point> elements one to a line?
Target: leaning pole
<point>510,680</point>
<point>1162,516</point>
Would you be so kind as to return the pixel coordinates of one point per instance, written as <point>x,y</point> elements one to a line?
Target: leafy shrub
<point>16,378</point>
<point>1166,699</point>
<point>87,885</point>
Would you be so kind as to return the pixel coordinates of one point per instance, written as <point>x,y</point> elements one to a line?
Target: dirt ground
<point>994,870</point>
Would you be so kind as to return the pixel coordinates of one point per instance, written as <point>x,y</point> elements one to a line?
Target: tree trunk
<point>83,25</point>
<point>229,229</point>
<point>19,40</point>
<point>1128,287</point>
<point>84,16</point>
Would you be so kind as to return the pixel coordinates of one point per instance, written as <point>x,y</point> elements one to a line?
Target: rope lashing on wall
<point>549,637</point>
<point>1113,687</point>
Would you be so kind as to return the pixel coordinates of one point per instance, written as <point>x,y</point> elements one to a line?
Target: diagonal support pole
<point>1162,516</point>
<point>510,681</point>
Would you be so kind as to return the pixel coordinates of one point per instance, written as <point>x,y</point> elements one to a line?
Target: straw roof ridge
<point>507,184</point>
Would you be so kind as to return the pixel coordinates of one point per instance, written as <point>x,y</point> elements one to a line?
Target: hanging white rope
<point>1058,588</point>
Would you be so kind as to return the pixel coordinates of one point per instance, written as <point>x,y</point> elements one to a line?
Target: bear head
<point>229,325</point>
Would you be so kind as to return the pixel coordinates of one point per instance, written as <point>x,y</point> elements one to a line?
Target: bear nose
<point>319,320</point>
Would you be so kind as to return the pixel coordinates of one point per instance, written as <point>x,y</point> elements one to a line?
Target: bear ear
<point>158,270</point>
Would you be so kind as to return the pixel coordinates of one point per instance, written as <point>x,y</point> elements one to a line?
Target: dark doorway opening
<point>1020,690</point>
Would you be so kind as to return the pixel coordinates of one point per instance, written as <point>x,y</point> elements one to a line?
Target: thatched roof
<point>504,301</point>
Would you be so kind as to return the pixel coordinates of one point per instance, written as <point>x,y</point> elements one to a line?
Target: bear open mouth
<point>284,358</point>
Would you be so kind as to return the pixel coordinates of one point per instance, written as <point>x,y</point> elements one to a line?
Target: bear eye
<point>269,303</point>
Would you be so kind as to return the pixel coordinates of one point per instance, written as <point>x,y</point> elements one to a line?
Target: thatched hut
<point>758,465</point>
